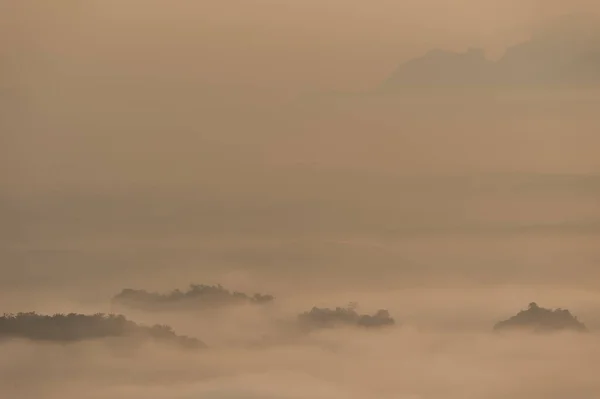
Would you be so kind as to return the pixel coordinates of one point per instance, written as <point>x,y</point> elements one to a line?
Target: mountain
<point>565,51</point>
<point>539,319</point>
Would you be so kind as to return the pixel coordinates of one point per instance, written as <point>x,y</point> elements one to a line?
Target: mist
<point>444,349</point>
<point>437,160</point>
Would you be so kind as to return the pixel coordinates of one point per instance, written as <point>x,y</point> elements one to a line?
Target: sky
<point>167,123</point>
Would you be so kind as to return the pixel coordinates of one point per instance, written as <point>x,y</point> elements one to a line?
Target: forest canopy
<point>540,319</point>
<point>74,327</point>
<point>344,316</point>
<point>198,296</point>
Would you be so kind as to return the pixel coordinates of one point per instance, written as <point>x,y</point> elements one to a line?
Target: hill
<point>538,319</point>
<point>348,316</point>
<point>197,297</point>
<point>73,327</point>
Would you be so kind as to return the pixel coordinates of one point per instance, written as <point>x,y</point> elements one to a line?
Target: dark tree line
<point>348,316</point>
<point>198,296</point>
<point>74,327</point>
<point>540,319</point>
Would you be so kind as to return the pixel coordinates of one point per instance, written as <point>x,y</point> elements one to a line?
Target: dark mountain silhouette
<point>348,316</point>
<point>565,51</point>
<point>197,297</point>
<point>75,327</point>
<point>539,319</point>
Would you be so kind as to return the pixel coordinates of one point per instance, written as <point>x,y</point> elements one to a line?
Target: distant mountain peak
<point>564,51</point>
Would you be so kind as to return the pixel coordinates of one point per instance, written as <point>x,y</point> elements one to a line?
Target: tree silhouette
<point>198,296</point>
<point>348,316</point>
<point>75,327</point>
<point>539,319</point>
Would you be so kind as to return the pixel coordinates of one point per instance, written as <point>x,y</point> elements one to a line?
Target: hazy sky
<point>258,43</point>
<point>124,114</point>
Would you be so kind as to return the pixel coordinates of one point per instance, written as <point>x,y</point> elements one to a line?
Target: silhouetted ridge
<point>196,297</point>
<point>75,327</point>
<point>348,316</point>
<point>540,319</point>
<point>564,51</point>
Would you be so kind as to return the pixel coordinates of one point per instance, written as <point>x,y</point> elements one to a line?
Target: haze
<point>150,144</point>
